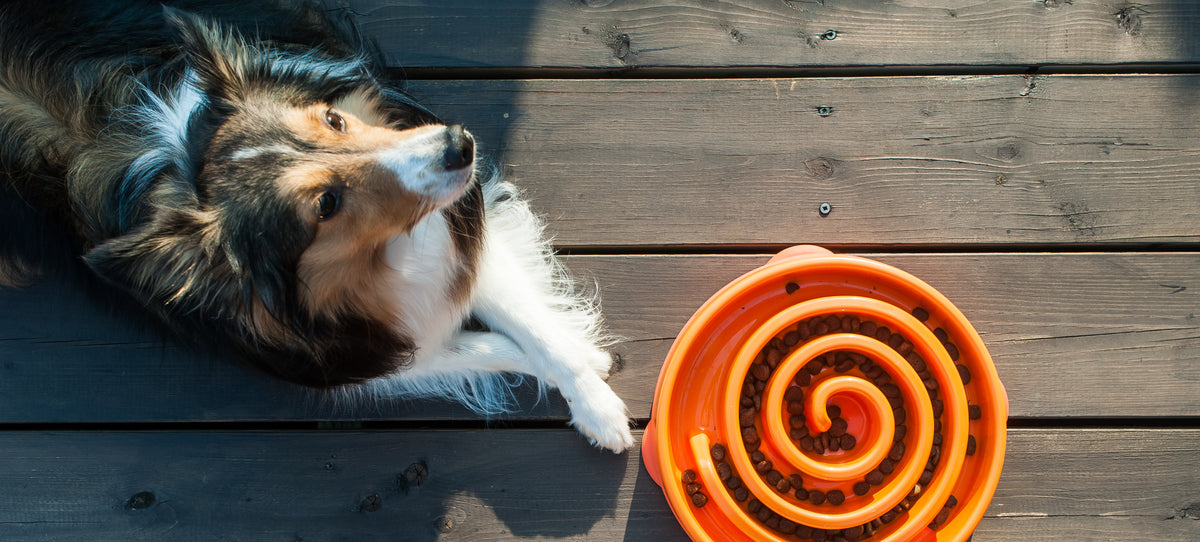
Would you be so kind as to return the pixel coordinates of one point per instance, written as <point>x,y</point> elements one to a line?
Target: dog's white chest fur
<point>424,261</point>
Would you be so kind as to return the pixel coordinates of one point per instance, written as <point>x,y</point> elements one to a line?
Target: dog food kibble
<point>724,471</point>
<point>974,412</point>
<point>970,444</point>
<point>920,314</point>
<point>874,477</point>
<point>764,466</point>
<point>783,485</point>
<point>862,488</point>
<point>699,499</point>
<point>952,350</point>
<point>941,335</point>
<point>836,497</point>
<point>689,476</point>
<point>692,488</point>
<point>816,496</point>
<point>964,373</point>
<point>741,494</point>
<point>791,287</point>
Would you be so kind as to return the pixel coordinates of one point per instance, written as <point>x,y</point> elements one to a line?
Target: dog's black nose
<point>460,148</point>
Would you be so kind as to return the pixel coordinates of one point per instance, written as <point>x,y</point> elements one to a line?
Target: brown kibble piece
<point>741,494</point>
<point>724,471</point>
<point>874,477</point>
<point>750,435</point>
<point>953,351</point>
<point>941,335</point>
<point>793,393</point>
<point>689,476</point>
<point>791,288</point>
<point>836,497</point>
<point>733,483</point>
<point>853,533</point>
<point>692,488</point>
<point>816,496</point>
<point>862,488</point>
<point>920,314</point>
<point>764,466</point>
<point>699,499</point>
<point>971,445</point>
<point>796,480</point>
<point>773,477</point>
<point>868,328</point>
<point>848,441</point>
<point>718,452</point>
<point>795,407</point>
<point>760,371</point>
<point>974,412</point>
<point>964,373</point>
<point>838,427</point>
<point>791,338</point>
<point>783,485</point>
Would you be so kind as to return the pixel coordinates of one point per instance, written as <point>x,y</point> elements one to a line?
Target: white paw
<point>600,361</point>
<point>600,415</point>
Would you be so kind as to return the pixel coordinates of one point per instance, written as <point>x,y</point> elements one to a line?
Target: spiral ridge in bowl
<point>866,361</point>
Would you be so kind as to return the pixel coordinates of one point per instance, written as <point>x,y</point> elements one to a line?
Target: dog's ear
<point>181,264</point>
<point>172,264</point>
<point>219,55</point>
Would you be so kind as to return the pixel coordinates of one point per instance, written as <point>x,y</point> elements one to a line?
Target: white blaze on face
<point>419,163</point>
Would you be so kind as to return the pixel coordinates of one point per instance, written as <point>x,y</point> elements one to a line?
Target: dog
<point>256,182</point>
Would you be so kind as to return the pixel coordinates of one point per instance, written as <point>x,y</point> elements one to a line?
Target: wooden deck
<point>1036,161</point>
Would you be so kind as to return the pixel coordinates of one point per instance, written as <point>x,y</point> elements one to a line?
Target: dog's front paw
<point>600,415</point>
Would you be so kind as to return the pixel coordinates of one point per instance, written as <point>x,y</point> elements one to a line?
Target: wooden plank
<point>788,34</point>
<point>992,160</point>
<point>163,486</point>
<point>1075,335</point>
<point>1091,335</point>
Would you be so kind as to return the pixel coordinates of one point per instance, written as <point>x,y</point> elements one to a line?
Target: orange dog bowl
<point>932,393</point>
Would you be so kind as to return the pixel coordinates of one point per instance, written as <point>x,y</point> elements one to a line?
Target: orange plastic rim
<point>696,403</point>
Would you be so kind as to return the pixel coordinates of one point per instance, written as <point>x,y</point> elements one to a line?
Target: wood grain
<point>987,160</point>
<point>193,485</point>
<point>1072,335</point>
<point>771,33</point>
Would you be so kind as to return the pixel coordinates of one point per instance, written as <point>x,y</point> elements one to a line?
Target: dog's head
<point>285,177</point>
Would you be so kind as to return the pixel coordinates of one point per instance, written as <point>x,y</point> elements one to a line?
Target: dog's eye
<point>335,121</point>
<point>328,203</point>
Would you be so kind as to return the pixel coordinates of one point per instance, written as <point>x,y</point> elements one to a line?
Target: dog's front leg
<point>520,293</point>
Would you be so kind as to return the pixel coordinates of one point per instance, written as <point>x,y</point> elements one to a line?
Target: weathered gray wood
<point>773,33</point>
<point>504,485</point>
<point>1091,335</point>
<point>987,160</point>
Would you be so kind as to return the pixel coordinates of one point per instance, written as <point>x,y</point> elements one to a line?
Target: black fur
<point>214,257</point>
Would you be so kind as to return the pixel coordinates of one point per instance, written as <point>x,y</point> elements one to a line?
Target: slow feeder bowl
<point>716,368</point>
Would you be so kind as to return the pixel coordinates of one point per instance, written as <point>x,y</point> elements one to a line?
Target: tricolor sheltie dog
<point>255,183</point>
